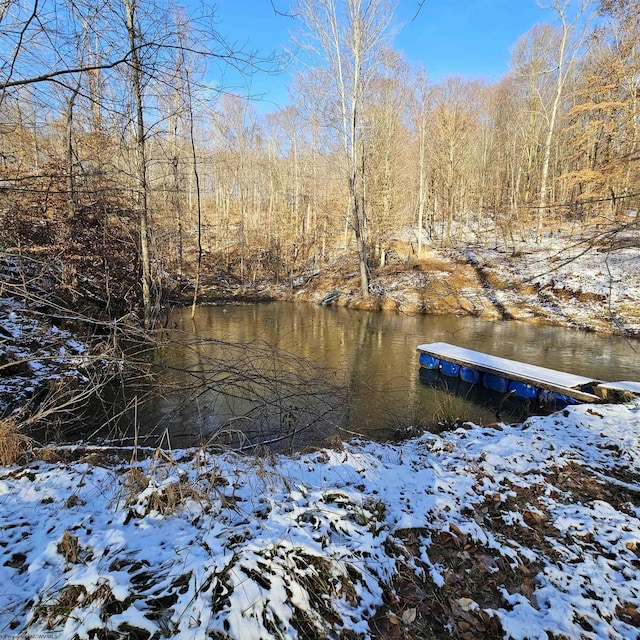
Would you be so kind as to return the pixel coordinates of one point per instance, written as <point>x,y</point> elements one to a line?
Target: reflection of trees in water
<point>231,376</point>
<point>244,394</point>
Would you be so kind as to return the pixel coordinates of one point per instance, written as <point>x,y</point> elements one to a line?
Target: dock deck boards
<point>623,385</point>
<point>559,381</point>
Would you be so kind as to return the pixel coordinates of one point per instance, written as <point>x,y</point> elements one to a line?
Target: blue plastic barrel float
<point>472,376</point>
<point>495,383</point>
<point>428,361</point>
<point>449,369</point>
<point>523,390</point>
<point>555,399</point>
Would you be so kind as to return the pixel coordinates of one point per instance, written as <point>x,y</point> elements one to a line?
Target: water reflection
<point>305,361</point>
<point>240,394</point>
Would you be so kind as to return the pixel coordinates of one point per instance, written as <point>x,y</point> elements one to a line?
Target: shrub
<point>13,444</point>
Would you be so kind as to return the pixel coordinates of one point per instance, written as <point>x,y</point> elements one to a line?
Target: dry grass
<point>69,548</point>
<point>434,264</point>
<point>69,602</point>
<point>171,497</point>
<point>165,497</point>
<point>60,607</point>
<point>133,484</point>
<point>13,444</point>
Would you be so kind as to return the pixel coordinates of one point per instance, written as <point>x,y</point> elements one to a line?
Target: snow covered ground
<point>520,531</point>
<point>34,353</point>
<point>572,283</point>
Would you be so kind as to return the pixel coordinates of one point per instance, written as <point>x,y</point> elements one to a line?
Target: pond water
<point>290,375</point>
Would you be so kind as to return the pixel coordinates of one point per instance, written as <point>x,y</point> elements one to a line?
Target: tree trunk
<point>196,176</point>
<point>141,164</point>
<point>71,195</point>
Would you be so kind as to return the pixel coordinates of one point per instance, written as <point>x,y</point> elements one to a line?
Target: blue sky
<point>471,38</point>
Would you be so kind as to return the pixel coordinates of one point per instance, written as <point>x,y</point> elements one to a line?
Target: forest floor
<point>522,531</point>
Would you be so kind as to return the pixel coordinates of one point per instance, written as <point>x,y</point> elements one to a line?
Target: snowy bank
<point>33,354</point>
<point>574,281</point>
<point>524,531</point>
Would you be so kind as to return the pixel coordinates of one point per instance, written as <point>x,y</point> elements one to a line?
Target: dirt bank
<point>596,291</point>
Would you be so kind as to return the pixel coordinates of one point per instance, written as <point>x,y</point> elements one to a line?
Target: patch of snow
<point>39,352</point>
<point>255,548</point>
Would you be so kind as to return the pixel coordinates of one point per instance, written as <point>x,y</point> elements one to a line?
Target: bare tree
<point>454,123</point>
<point>196,175</point>
<point>346,38</point>
<point>131,7</point>
<point>566,52</point>
<point>385,143</point>
<point>421,101</point>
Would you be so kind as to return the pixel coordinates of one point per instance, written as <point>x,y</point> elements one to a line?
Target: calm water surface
<point>334,353</point>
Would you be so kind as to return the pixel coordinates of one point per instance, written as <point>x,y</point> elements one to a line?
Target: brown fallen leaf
<point>409,615</point>
<point>466,604</point>
<point>393,618</point>
<point>533,518</point>
<point>527,588</point>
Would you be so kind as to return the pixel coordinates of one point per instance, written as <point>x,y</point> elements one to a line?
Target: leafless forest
<point>127,166</point>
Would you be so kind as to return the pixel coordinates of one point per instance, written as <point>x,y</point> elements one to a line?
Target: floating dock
<point>618,390</point>
<point>526,381</point>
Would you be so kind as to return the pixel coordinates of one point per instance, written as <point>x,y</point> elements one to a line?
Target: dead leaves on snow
<point>418,608</point>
